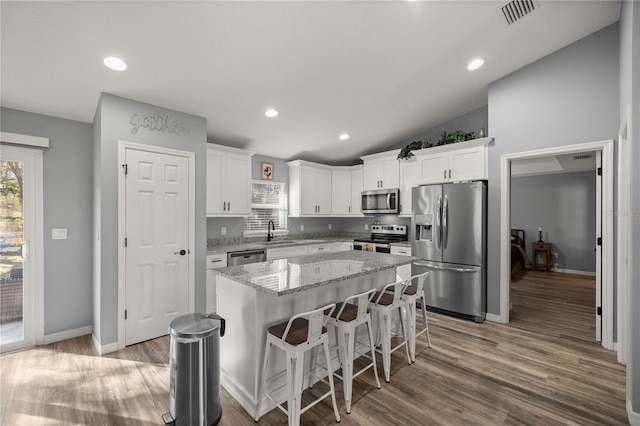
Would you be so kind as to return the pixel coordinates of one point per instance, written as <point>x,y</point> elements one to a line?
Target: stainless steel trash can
<point>194,390</point>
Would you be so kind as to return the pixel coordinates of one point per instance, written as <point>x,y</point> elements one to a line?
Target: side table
<point>542,256</point>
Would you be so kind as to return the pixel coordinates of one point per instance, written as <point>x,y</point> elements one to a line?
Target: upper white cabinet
<point>228,181</point>
<point>381,171</point>
<point>408,179</point>
<point>452,163</point>
<point>309,189</point>
<point>346,192</point>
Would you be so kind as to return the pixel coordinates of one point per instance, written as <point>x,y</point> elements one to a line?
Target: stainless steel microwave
<point>381,201</point>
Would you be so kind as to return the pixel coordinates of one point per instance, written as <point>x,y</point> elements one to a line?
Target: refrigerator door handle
<point>445,214</point>
<point>445,268</point>
<point>438,223</point>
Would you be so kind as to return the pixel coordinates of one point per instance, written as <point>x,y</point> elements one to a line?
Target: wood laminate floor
<point>544,368</point>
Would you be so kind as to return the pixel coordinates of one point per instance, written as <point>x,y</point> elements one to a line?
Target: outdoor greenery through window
<point>268,202</point>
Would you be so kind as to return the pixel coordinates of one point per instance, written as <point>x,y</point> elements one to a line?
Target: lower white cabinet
<point>343,246</point>
<point>402,272</point>
<point>285,252</point>
<point>214,261</point>
<point>320,248</point>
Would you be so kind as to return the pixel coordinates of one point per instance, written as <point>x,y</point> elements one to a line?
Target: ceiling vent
<point>581,156</point>
<point>517,9</point>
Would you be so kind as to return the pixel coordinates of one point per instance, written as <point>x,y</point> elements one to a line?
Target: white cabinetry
<point>342,246</point>
<point>214,261</point>
<point>408,179</point>
<point>320,248</point>
<point>228,181</point>
<point>452,163</point>
<point>309,189</point>
<point>346,191</point>
<point>402,272</point>
<point>286,252</point>
<point>381,171</point>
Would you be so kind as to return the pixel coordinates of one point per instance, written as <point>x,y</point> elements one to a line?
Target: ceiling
<point>382,71</point>
<point>552,164</point>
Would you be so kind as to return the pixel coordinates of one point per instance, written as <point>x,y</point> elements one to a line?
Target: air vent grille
<point>581,156</point>
<point>517,9</point>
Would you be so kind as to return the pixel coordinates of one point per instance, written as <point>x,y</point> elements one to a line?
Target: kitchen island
<point>253,297</point>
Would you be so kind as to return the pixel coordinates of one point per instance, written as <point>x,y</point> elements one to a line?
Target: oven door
<point>383,248</point>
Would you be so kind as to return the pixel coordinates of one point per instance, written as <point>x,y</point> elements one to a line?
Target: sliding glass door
<point>17,238</point>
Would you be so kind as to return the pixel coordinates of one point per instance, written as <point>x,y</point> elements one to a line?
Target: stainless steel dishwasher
<point>236,258</point>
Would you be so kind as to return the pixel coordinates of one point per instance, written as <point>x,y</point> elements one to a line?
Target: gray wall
<point>113,121</point>
<point>469,122</point>
<point>564,206</point>
<point>568,97</point>
<point>67,186</point>
<point>630,94</point>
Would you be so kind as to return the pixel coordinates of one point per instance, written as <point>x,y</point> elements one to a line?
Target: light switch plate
<point>301,228</point>
<point>223,230</point>
<point>366,226</point>
<point>329,226</point>
<point>59,234</point>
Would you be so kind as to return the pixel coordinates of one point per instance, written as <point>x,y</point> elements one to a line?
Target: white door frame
<point>624,230</point>
<point>606,146</point>
<point>122,148</point>
<point>34,294</point>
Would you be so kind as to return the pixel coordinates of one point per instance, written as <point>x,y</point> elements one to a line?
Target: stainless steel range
<point>381,238</point>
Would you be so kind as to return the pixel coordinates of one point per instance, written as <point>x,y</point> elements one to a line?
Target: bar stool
<point>410,297</point>
<point>346,318</point>
<point>303,332</point>
<point>385,303</point>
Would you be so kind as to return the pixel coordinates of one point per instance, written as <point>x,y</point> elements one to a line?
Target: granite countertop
<point>286,276</point>
<point>278,242</point>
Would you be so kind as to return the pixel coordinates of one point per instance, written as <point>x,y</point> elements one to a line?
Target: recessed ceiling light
<point>475,64</point>
<point>115,63</point>
<point>271,113</point>
<point>344,136</point>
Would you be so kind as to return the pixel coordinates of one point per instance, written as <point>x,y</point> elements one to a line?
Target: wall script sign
<point>158,123</point>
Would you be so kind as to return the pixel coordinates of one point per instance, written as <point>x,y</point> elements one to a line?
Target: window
<point>268,202</point>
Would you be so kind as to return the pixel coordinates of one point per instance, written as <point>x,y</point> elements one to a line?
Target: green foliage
<point>445,139</point>
<point>406,153</point>
<point>457,136</point>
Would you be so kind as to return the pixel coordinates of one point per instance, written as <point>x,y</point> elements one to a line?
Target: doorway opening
<point>605,251</point>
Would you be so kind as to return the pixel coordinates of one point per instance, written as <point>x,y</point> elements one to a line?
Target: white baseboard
<point>69,334</point>
<point>634,418</point>
<point>103,350</point>
<point>493,318</point>
<point>574,271</point>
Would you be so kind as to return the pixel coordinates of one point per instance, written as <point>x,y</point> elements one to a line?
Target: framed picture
<point>266,171</point>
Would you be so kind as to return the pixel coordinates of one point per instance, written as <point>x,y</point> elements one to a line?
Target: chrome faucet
<point>270,226</point>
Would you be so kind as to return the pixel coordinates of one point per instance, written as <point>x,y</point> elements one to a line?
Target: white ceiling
<point>566,163</point>
<point>380,71</point>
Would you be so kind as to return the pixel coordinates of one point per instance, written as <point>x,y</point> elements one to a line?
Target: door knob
<point>181,252</point>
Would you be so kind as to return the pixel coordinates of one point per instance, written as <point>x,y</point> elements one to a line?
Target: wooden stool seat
<point>348,314</point>
<point>383,298</point>
<point>411,290</point>
<point>298,333</point>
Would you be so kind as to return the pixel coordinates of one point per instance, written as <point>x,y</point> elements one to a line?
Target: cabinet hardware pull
<point>216,261</point>
<point>445,173</point>
<point>449,173</point>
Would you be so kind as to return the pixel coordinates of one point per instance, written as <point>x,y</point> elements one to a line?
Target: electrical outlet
<point>555,255</point>
<point>329,226</point>
<point>301,228</point>
<point>223,230</point>
<point>366,226</point>
<point>59,234</point>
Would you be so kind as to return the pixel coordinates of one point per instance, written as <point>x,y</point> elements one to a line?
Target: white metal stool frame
<point>385,302</point>
<point>346,326</point>
<point>294,352</point>
<point>410,297</point>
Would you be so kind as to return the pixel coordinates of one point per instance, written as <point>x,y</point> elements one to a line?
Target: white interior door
<point>20,245</point>
<point>598,306</point>
<point>157,243</point>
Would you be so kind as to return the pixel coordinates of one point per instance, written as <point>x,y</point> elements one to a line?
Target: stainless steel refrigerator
<point>449,227</point>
